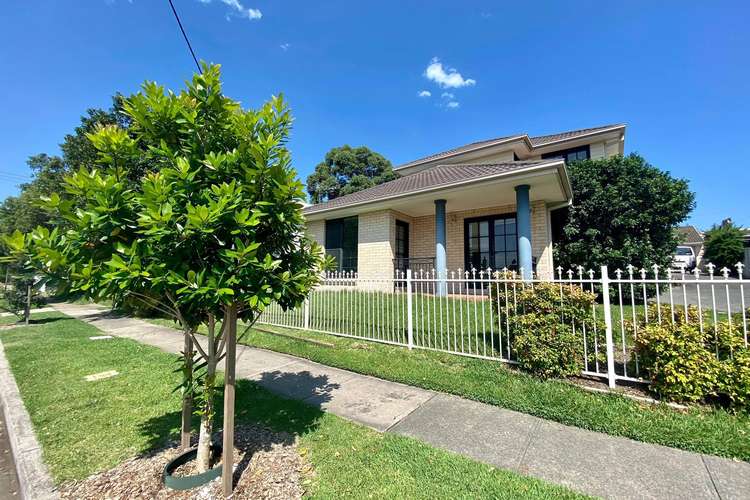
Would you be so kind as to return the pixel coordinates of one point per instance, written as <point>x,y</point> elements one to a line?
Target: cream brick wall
<point>375,250</point>
<point>316,231</point>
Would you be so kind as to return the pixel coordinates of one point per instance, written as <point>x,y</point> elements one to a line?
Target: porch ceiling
<point>549,184</point>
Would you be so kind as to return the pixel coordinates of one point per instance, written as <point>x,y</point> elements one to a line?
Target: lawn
<point>85,427</point>
<point>704,430</point>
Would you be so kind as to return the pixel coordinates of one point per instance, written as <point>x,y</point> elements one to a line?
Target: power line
<point>184,35</point>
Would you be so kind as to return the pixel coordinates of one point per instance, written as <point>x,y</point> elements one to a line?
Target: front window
<point>684,251</point>
<point>342,238</point>
<point>491,242</point>
<point>570,155</point>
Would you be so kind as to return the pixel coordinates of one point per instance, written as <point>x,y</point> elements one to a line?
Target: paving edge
<point>33,477</point>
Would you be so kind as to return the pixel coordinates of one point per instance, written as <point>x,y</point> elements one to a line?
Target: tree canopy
<point>725,246</point>
<point>347,170</point>
<point>210,231</point>
<point>23,212</point>
<point>624,212</point>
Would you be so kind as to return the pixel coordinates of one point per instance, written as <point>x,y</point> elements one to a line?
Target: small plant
<point>546,324</point>
<point>724,245</point>
<point>688,363</point>
<point>677,361</point>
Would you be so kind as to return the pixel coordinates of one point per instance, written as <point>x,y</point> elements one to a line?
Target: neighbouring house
<point>690,236</point>
<point>483,205</point>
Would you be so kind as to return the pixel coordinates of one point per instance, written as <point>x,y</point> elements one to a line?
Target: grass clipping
<point>267,466</point>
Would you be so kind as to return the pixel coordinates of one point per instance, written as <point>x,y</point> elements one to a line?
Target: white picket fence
<point>404,310</point>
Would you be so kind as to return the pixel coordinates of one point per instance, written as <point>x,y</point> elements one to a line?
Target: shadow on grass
<point>255,405</point>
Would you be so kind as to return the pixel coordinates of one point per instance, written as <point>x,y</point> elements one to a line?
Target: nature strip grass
<point>86,427</point>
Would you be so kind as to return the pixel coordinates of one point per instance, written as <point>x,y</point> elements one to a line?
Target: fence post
<point>608,328</point>
<point>306,313</point>
<point>409,319</point>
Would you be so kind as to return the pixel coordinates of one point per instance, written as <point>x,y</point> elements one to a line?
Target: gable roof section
<point>689,235</point>
<point>534,142</point>
<point>433,178</point>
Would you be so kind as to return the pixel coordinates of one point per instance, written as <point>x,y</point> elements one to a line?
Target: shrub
<point>676,359</point>
<point>724,245</point>
<point>734,382</point>
<point>546,322</point>
<point>689,365</point>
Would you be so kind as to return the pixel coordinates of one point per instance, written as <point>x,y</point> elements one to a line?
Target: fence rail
<point>454,311</point>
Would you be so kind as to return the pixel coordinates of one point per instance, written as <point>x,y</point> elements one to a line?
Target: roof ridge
<point>535,141</point>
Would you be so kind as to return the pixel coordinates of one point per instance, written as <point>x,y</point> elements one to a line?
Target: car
<point>684,256</point>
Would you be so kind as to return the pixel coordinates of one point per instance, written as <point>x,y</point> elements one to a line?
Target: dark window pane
<point>484,228</point>
<point>499,243</point>
<point>473,229</point>
<point>484,244</point>
<point>510,243</point>
<point>499,226</point>
<point>474,244</point>
<point>500,260</point>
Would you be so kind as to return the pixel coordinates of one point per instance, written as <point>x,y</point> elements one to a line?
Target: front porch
<point>494,222</point>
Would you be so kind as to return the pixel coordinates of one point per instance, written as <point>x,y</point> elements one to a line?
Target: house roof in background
<point>536,141</point>
<point>689,235</point>
<point>433,178</point>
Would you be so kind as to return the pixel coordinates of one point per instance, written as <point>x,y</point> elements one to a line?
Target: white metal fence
<point>405,310</point>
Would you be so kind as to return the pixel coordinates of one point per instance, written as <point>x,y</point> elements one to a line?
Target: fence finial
<point>725,272</point>
<point>740,266</point>
<point>710,266</point>
<point>618,273</point>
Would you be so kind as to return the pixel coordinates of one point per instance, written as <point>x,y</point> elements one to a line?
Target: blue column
<point>440,255</point>
<point>523,221</point>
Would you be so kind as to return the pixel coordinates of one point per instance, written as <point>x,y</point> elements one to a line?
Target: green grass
<point>85,427</point>
<point>704,430</point>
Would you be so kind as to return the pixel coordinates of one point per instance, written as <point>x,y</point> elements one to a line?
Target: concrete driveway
<point>709,292</point>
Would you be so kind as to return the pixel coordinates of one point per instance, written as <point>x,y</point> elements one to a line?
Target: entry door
<point>402,245</point>
<point>491,242</point>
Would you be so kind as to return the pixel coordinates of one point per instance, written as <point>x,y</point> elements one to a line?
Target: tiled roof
<point>689,234</point>
<point>541,140</point>
<point>461,149</point>
<point>441,175</point>
<point>535,142</point>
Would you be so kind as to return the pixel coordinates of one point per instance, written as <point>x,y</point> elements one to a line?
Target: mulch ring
<point>267,466</point>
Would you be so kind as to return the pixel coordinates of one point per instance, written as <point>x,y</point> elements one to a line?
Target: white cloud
<point>424,93</point>
<point>239,9</point>
<point>446,79</point>
<point>285,46</point>
<point>452,105</point>
<point>447,95</point>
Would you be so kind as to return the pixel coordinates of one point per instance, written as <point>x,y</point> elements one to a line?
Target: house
<point>483,205</point>
<point>690,236</point>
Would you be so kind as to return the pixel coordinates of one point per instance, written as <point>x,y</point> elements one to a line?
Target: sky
<point>406,78</point>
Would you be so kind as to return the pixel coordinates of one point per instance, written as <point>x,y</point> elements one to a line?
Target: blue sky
<point>677,73</point>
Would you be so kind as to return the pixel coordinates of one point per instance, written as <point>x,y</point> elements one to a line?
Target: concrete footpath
<point>589,462</point>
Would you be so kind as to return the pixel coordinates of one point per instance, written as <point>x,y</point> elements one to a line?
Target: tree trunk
<point>27,306</point>
<point>207,412</point>
<point>187,395</point>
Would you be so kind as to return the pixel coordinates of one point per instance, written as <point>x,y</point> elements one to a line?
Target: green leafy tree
<point>724,245</point>
<point>624,212</point>
<point>347,170</point>
<point>211,234</point>
<point>23,212</point>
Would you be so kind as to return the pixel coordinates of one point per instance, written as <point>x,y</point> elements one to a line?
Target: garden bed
<point>267,466</point>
